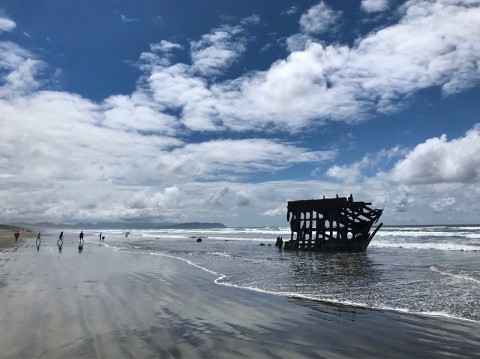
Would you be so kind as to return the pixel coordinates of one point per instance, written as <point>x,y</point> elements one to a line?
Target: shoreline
<point>346,304</point>
<point>112,303</point>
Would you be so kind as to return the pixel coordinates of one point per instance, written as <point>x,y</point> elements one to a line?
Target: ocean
<point>428,270</point>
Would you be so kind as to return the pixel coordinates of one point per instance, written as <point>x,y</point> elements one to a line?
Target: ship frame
<point>331,224</point>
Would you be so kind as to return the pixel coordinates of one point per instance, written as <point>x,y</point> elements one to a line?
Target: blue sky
<point>178,111</point>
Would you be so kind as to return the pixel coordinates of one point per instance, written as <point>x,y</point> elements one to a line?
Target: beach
<point>7,232</point>
<point>112,303</point>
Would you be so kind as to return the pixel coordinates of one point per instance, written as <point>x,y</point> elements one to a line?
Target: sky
<point>222,111</point>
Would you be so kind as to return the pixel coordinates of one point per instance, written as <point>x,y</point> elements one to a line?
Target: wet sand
<point>106,303</point>
<point>7,238</point>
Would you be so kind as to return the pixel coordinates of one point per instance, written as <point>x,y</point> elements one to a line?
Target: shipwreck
<point>331,224</point>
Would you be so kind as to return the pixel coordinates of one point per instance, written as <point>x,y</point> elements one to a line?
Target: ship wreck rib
<point>331,224</point>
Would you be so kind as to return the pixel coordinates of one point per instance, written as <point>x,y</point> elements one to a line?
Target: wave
<point>429,246</point>
<point>222,279</point>
<point>433,228</point>
<point>454,273</point>
<point>163,236</point>
<point>416,234</point>
<point>221,254</point>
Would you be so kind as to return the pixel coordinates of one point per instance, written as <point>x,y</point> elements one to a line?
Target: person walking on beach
<point>80,242</point>
<point>60,242</point>
<point>38,241</point>
<point>100,236</point>
<point>17,234</point>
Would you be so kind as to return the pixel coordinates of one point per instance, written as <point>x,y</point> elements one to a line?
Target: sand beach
<point>7,232</point>
<point>123,304</point>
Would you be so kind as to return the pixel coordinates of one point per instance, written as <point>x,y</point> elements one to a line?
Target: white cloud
<point>21,67</point>
<point>298,42</point>
<point>279,211</point>
<point>251,20</point>
<point>66,158</point>
<point>375,162</point>
<point>216,51</point>
<point>127,19</point>
<point>438,160</point>
<point>176,89</point>
<point>291,11</point>
<point>442,204</point>
<point>165,46</point>
<point>161,54</point>
<point>375,5</point>
<point>6,25</point>
<point>137,113</point>
<point>433,44</point>
<point>232,158</point>
<point>319,19</point>
<point>347,174</point>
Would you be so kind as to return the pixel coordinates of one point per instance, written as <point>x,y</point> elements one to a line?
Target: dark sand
<point>105,303</point>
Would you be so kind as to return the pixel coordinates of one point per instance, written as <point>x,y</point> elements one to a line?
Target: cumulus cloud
<point>165,46</point>
<point>433,44</point>
<point>64,157</point>
<point>136,113</point>
<point>319,19</point>
<point>176,89</point>
<point>438,160</point>
<point>160,54</point>
<point>347,174</point>
<point>373,162</point>
<point>279,211</point>
<point>20,67</point>
<point>230,158</point>
<point>442,204</point>
<point>216,51</point>
<point>375,5</point>
<point>6,25</point>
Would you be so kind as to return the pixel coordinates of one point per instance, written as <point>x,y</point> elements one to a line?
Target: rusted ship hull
<point>331,224</point>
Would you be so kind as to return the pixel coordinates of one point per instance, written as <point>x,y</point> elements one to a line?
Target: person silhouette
<point>38,242</point>
<point>60,238</point>
<point>80,242</point>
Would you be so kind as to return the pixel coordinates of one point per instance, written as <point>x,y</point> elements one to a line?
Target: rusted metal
<point>331,224</point>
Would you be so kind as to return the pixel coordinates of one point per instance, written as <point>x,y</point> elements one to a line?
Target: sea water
<point>430,270</point>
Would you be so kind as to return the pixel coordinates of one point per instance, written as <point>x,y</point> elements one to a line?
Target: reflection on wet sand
<point>84,307</point>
